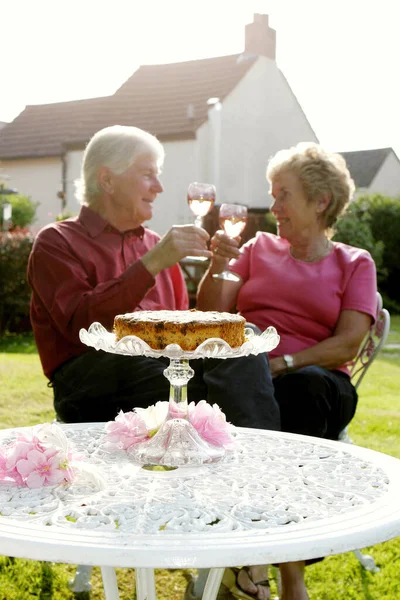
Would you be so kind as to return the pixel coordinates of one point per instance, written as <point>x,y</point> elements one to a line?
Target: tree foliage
<point>23,209</point>
<point>355,228</point>
<point>373,222</point>
<point>15,247</point>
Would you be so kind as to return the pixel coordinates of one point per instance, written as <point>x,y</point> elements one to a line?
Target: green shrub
<point>391,305</point>
<point>373,222</point>
<point>270,222</point>
<point>15,247</point>
<point>23,209</point>
<point>385,226</point>
<point>64,215</point>
<point>355,228</point>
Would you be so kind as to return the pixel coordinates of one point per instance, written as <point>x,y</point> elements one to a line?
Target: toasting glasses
<point>201,198</point>
<point>232,219</point>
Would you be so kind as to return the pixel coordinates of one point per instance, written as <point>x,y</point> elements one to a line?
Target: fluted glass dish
<point>177,443</point>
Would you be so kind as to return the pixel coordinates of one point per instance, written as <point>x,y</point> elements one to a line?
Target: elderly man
<point>105,262</point>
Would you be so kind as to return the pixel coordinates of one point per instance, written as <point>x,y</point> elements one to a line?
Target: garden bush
<point>15,247</point>
<point>385,226</point>
<point>270,223</point>
<point>354,227</point>
<point>23,209</point>
<point>373,222</point>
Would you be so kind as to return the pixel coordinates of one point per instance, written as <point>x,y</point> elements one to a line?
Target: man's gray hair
<point>117,148</point>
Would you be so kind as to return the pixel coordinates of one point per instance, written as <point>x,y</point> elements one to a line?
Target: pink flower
<point>210,423</point>
<point>142,423</point>
<point>20,448</point>
<point>43,468</point>
<point>127,429</point>
<point>9,477</point>
<point>41,458</point>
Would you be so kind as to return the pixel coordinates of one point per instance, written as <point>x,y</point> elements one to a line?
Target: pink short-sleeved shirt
<point>302,300</point>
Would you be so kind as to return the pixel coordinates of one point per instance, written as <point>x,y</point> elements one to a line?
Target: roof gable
<point>43,130</point>
<point>155,98</point>
<point>365,164</point>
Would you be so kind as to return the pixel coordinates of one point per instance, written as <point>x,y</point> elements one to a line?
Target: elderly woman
<point>104,262</point>
<point>319,294</point>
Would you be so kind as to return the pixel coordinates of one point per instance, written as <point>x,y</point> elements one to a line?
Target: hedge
<point>15,247</point>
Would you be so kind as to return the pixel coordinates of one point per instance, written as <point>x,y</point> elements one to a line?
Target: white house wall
<point>387,180</point>
<point>40,179</point>
<point>170,207</point>
<point>73,163</point>
<point>179,170</point>
<point>260,117</point>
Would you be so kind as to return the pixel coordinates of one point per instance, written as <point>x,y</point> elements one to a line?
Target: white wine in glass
<point>201,198</point>
<point>232,219</point>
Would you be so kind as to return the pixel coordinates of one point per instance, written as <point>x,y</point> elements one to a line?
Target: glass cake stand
<point>177,443</point>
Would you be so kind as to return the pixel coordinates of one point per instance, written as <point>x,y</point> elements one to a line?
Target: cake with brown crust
<point>187,328</point>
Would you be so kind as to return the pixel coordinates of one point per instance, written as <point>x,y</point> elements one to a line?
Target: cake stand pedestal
<point>177,443</point>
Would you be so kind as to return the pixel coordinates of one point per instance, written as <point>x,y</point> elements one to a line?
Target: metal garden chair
<point>369,349</point>
<point>372,344</point>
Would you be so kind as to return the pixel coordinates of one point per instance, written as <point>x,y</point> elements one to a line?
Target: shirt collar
<point>95,224</point>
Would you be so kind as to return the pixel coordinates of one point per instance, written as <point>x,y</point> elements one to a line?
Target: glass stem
<point>199,222</point>
<point>178,374</point>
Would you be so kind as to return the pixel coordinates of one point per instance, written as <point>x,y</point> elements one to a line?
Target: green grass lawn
<point>25,399</point>
<point>394,334</point>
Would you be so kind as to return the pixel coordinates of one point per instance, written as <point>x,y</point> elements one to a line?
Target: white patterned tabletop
<point>276,497</point>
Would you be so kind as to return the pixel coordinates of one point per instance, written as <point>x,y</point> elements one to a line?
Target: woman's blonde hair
<point>321,174</point>
<point>117,148</point>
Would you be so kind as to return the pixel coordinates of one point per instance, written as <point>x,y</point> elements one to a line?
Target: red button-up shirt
<point>83,270</point>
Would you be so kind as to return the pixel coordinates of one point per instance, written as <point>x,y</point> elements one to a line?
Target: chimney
<point>260,38</point>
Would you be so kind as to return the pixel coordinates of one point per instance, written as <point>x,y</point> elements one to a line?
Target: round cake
<point>187,328</point>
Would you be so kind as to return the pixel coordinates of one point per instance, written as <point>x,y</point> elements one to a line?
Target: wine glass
<point>232,219</point>
<point>201,198</point>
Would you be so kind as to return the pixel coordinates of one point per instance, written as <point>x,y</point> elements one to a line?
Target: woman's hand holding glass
<point>233,219</point>
<point>182,241</point>
<point>177,243</point>
<point>201,198</point>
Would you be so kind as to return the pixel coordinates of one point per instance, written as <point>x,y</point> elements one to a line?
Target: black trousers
<point>315,401</point>
<point>96,385</point>
<point>312,401</point>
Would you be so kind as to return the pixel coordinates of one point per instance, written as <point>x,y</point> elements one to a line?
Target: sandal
<point>223,592</point>
<point>230,580</point>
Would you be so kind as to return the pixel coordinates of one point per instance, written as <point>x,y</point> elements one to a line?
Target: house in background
<point>219,119</point>
<point>374,171</point>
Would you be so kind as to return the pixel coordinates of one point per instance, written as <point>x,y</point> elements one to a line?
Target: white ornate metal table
<point>278,497</point>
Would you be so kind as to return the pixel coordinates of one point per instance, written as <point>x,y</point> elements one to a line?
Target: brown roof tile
<point>154,98</point>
